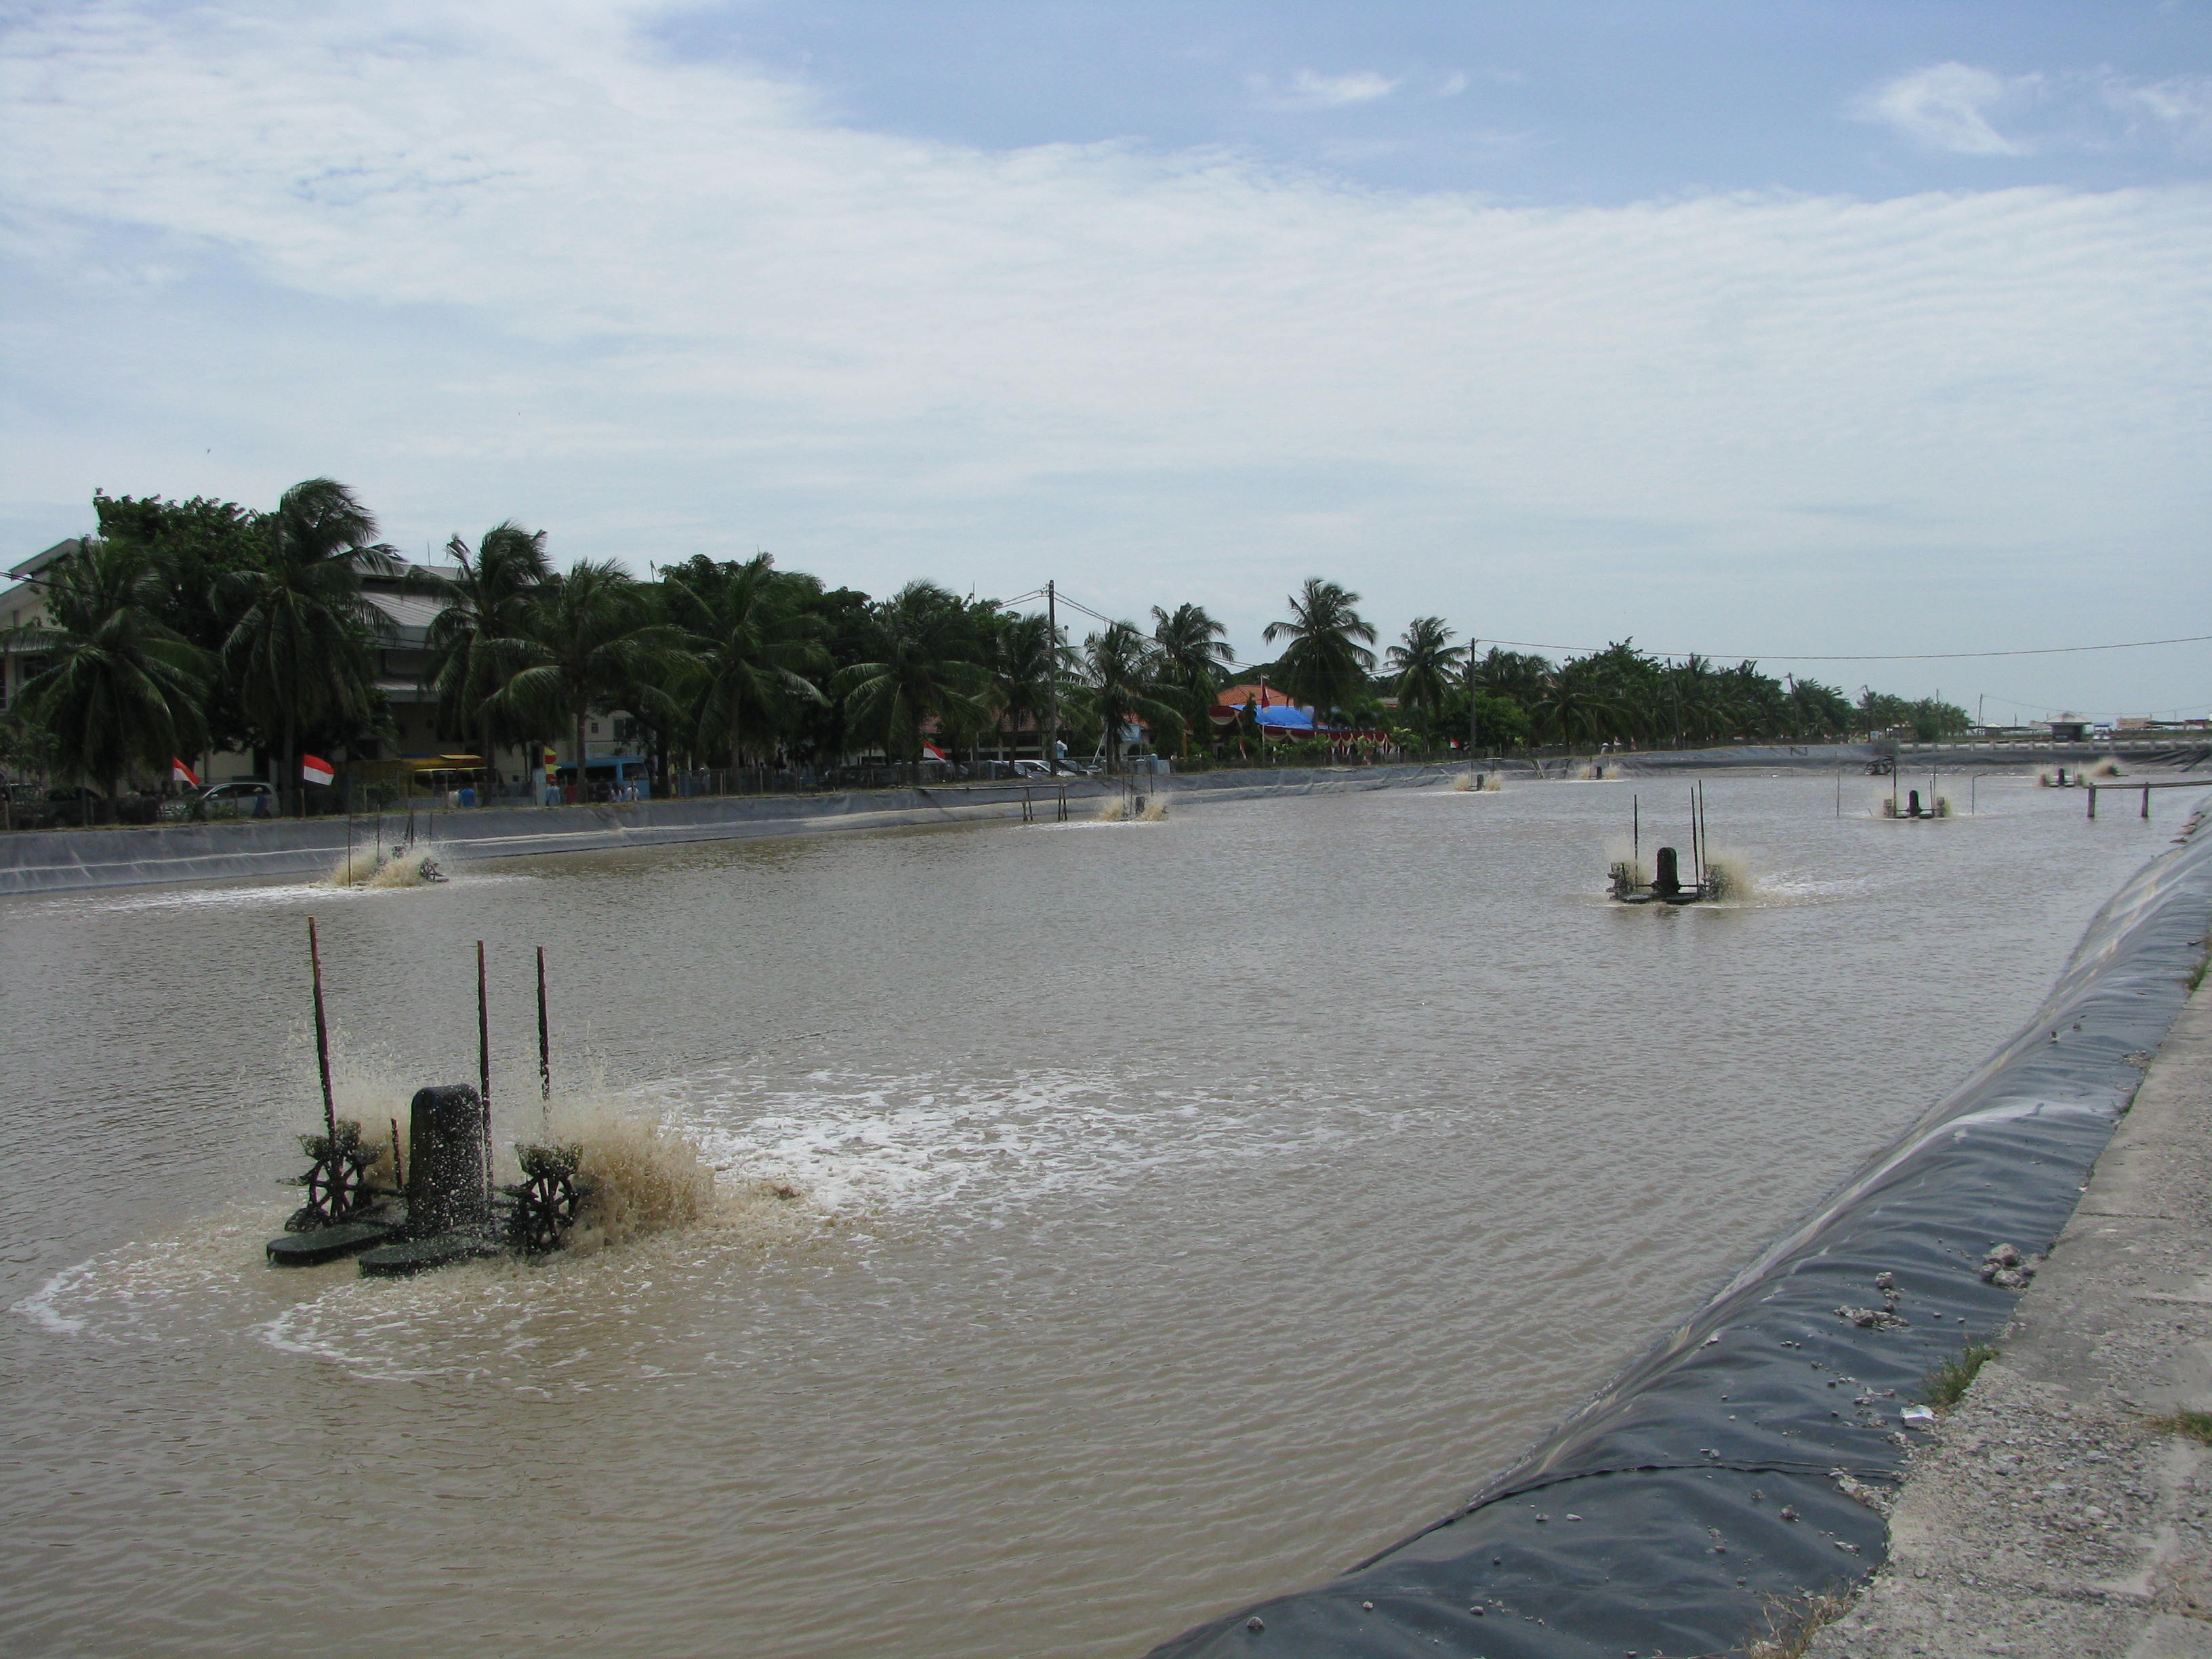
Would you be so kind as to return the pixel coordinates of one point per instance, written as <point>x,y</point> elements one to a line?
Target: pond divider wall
<point>61,860</point>
<point>1736,1460</point>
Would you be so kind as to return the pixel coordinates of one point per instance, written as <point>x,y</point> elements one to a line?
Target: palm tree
<point>921,668</point>
<point>121,688</point>
<point>1191,652</point>
<point>1425,663</point>
<point>749,634</point>
<point>586,640</point>
<point>481,630</point>
<point>1327,665</point>
<point>1122,677</point>
<point>1026,666</point>
<point>1576,706</point>
<point>301,631</point>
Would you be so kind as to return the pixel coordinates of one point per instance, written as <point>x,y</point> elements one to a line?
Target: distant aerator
<point>1626,882</point>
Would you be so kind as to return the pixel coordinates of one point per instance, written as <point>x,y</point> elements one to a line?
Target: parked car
<point>248,798</point>
<point>1029,768</point>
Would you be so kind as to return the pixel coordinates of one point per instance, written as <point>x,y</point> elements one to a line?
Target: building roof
<point>411,613</point>
<point>39,562</point>
<point>1266,697</point>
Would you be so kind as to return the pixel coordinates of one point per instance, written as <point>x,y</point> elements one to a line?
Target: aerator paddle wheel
<point>337,1181</point>
<point>544,1207</point>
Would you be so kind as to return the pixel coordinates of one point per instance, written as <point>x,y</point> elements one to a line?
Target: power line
<point>1889,656</point>
<point>1756,656</point>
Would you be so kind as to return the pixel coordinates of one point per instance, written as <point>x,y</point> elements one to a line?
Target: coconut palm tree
<point>1026,667</point>
<point>586,639</point>
<point>1425,663</point>
<point>1327,665</point>
<point>479,634</point>
<point>120,689</point>
<point>751,635</point>
<point>921,667</point>
<point>1123,679</point>
<point>302,633</point>
<point>1575,706</point>
<point>1191,652</point>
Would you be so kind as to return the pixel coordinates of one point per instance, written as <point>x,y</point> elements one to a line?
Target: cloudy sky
<point>1797,330</point>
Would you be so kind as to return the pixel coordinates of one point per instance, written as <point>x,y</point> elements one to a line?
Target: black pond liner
<point>1711,1477</point>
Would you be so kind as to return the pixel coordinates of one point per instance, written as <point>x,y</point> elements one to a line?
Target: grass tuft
<point>1792,1622</point>
<point>1948,1383</point>
<point>2193,1425</point>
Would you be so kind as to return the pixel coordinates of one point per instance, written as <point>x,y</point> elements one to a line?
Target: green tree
<point>586,640</point>
<point>1192,655</point>
<point>1124,681</point>
<point>300,645</point>
<point>751,635</point>
<point>1425,663</point>
<point>1576,706</point>
<point>121,688</point>
<point>479,635</point>
<point>921,666</point>
<point>1026,666</point>
<point>193,545</point>
<point>1327,663</point>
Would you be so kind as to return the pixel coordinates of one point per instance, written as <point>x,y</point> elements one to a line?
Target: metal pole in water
<point>483,1062</point>
<point>2146,812</point>
<point>544,1048</point>
<point>2093,801</point>
<point>322,1039</point>
<point>1635,837</point>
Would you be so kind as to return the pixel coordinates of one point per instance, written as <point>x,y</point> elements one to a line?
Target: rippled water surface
<point>1186,1209</point>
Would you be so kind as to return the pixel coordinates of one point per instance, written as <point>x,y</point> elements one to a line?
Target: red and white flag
<point>181,773</point>
<point>315,769</point>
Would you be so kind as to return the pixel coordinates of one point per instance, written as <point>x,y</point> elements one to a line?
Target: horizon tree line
<point>181,626</point>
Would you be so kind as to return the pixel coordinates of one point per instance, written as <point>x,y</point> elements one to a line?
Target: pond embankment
<point>62,861</point>
<point>2057,1513</point>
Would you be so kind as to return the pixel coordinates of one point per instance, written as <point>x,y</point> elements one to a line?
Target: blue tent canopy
<point>1280,718</point>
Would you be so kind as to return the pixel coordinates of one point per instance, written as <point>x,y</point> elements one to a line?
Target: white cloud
<point>1308,90</point>
<point>1946,107</point>
<point>1454,85</point>
<point>1969,111</point>
<point>513,261</point>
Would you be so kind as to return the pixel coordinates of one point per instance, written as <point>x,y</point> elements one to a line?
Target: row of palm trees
<point>188,625</point>
<point>154,646</point>
<point>1506,698</point>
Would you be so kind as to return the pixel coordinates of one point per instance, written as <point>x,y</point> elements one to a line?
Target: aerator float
<point>1625,878</point>
<point>443,1205</point>
<point>1911,808</point>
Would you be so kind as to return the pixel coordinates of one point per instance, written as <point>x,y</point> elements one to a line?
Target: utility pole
<point>1471,723</point>
<point>1052,679</point>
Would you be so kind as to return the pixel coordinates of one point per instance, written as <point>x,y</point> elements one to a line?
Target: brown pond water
<point>1186,1209</point>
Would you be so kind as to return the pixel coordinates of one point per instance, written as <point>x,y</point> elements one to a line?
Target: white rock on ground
<point>2047,1520</point>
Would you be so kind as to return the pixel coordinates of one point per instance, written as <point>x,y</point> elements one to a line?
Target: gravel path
<point>2046,1519</point>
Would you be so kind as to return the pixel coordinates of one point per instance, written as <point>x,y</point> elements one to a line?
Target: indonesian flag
<point>315,769</point>
<point>933,752</point>
<point>181,773</point>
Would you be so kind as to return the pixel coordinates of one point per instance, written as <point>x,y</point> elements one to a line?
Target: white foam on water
<point>173,1289</point>
<point>258,895</point>
<point>920,1143</point>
